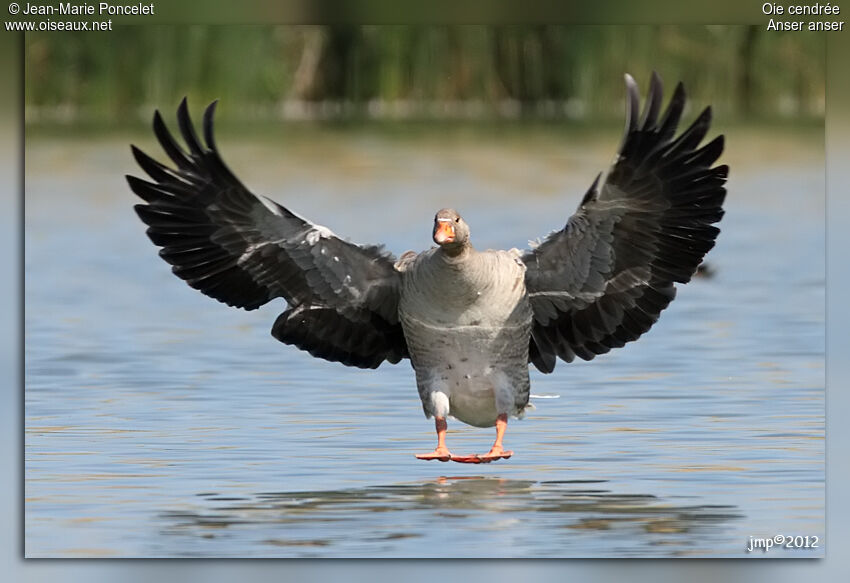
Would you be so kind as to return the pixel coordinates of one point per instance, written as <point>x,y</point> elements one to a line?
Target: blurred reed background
<point>570,72</point>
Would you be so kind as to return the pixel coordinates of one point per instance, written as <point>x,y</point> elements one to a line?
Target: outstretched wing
<point>243,251</point>
<point>605,277</point>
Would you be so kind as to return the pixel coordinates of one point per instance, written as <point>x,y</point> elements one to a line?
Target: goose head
<point>451,232</point>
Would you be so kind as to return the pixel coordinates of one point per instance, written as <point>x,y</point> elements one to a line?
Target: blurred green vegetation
<point>417,71</point>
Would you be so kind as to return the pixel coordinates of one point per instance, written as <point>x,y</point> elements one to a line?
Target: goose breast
<point>467,322</point>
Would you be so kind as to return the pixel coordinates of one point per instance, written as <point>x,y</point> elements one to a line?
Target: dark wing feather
<point>604,279</point>
<point>243,251</point>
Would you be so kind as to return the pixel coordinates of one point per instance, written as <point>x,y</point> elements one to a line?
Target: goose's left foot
<point>486,458</point>
<point>441,453</point>
<point>496,452</point>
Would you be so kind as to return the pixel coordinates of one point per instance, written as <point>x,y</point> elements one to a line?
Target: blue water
<point>162,423</point>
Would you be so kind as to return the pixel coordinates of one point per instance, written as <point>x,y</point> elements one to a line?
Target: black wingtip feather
<point>213,159</point>
<point>142,188</point>
<point>187,129</point>
<point>209,114</point>
<point>691,137</point>
<point>708,154</point>
<point>653,103</point>
<point>632,104</point>
<point>177,154</point>
<point>655,78</point>
<point>138,208</point>
<point>670,121</point>
<point>591,193</point>
<point>151,167</point>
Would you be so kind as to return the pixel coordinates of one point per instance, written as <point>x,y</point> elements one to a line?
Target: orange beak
<point>444,232</point>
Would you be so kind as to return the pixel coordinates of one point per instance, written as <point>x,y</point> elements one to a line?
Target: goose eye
<point>457,220</point>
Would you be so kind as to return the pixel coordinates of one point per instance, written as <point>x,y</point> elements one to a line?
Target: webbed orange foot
<point>486,458</point>
<point>494,455</point>
<point>467,459</point>
<point>441,453</point>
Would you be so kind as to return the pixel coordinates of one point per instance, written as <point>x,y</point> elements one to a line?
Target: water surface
<point>162,423</point>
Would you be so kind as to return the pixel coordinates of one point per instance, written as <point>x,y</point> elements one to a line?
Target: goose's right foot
<point>442,453</point>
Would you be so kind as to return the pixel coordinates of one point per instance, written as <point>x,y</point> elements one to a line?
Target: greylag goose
<point>470,321</point>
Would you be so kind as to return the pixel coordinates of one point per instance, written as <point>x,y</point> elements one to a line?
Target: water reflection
<point>401,519</point>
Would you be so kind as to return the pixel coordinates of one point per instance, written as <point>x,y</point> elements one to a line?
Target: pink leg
<point>442,453</point>
<point>496,452</point>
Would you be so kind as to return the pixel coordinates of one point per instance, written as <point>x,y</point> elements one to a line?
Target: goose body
<point>469,348</point>
<point>470,322</point>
